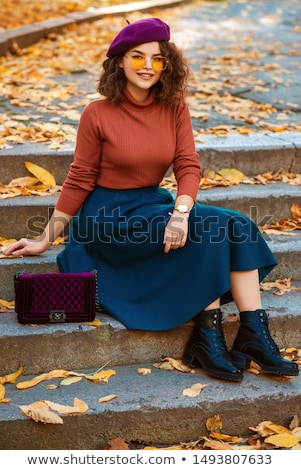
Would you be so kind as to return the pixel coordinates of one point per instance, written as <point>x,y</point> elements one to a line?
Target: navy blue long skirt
<point>120,234</point>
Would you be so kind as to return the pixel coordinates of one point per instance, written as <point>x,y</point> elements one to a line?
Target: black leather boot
<point>207,348</point>
<point>254,342</point>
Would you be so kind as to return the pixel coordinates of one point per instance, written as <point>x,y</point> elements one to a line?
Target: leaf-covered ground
<point>245,79</point>
<point>16,13</point>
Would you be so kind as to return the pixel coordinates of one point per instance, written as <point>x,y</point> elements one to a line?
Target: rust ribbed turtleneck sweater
<point>130,145</point>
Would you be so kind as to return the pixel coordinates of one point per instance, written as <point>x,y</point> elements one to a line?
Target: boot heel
<point>240,362</point>
<point>189,359</point>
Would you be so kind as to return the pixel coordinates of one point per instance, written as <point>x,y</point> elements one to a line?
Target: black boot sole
<point>242,361</point>
<point>191,361</point>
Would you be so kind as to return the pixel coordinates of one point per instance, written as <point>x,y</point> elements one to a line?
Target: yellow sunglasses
<point>138,62</point>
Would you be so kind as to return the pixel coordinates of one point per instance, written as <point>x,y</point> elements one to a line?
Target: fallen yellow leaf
<point>96,322</point>
<point>101,376</point>
<point>54,374</point>
<point>11,378</point>
<point>282,440</point>
<point>2,392</point>
<point>43,175</point>
<point>231,174</point>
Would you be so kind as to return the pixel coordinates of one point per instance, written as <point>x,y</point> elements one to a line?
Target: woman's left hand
<point>176,231</point>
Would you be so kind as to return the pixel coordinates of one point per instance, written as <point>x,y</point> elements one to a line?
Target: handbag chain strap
<point>97,304</point>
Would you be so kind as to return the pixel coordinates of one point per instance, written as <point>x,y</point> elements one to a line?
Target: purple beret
<point>139,32</point>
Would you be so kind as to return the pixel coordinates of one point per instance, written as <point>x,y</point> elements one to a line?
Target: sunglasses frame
<point>145,59</point>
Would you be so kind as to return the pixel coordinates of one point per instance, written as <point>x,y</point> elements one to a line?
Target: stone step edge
<point>276,189</point>
<point>148,409</point>
<point>27,35</point>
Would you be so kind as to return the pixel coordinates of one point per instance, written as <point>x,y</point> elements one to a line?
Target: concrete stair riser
<point>27,215</point>
<point>252,157</point>
<point>77,346</point>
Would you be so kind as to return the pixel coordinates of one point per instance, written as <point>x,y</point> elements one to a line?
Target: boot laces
<point>266,331</point>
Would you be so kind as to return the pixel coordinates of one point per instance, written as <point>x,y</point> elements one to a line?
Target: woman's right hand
<point>26,247</point>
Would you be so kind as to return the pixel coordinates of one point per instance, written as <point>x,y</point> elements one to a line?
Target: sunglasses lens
<point>159,63</point>
<point>137,62</point>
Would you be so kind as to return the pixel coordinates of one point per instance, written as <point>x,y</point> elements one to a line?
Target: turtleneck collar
<point>130,100</point>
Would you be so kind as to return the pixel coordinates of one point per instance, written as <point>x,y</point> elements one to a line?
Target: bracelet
<point>172,213</point>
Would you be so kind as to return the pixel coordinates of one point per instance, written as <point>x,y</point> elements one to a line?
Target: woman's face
<point>141,66</point>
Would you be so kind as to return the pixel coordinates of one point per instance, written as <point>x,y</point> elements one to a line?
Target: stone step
<point>71,346</point>
<point>148,410</point>
<point>253,154</point>
<point>27,215</point>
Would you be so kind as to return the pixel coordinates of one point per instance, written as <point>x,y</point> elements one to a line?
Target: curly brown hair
<point>170,89</point>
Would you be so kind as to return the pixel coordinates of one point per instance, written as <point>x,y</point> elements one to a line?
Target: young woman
<point>161,261</point>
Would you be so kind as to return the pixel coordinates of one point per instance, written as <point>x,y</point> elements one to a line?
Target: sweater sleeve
<point>84,169</point>
<point>186,166</point>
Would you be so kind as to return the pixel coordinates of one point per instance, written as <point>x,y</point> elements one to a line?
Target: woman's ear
<point>120,63</point>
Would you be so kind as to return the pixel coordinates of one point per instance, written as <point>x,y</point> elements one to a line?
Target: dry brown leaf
<point>295,211</point>
<point>216,445</point>
<point>164,365</point>
<point>23,181</point>
<point>107,398</point>
<point>41,404</point>
<point>117,444</point>
<point>78,407</point>
<point>297,432</point>
<point>168,363</point>
<point>214,424</point>
<point>223,437</point>
<point>143,371</point>
<point>194,390</point>
<point>295,419</point>
<point>283,286</point>
<point>81,405</point>
<point>268,428</point>
<point>40,415</point>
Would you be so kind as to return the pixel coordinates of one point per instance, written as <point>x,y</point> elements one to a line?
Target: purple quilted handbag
<point>55,297</point>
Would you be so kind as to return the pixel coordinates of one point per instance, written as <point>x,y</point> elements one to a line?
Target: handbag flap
<point>49,294</point>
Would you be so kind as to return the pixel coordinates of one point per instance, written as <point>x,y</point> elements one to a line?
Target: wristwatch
<point>182,208</point>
